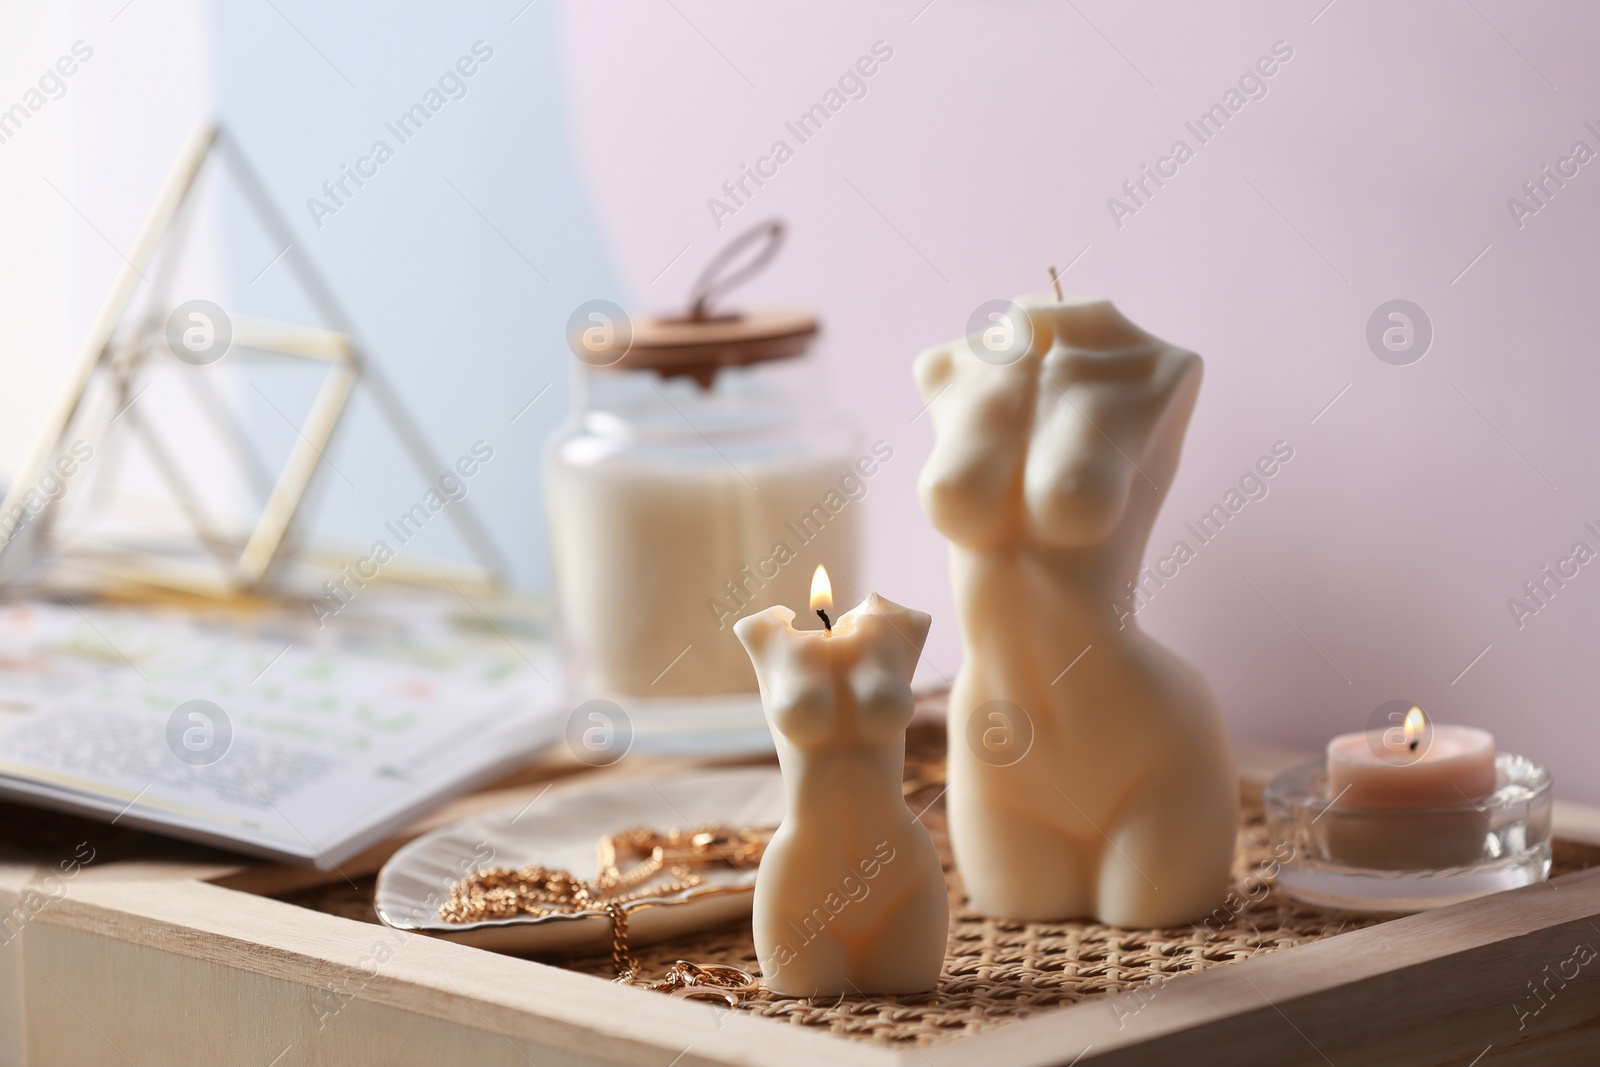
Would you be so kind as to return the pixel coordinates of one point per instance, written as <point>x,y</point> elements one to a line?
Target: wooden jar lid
<point>700,342</point>
<point>699,347</point>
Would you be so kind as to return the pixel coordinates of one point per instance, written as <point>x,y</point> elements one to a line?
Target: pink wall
<point>1378,166</point>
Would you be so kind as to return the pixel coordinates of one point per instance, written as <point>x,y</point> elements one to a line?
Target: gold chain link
<point>504,892</point>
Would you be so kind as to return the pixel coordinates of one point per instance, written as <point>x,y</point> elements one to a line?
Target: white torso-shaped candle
<point>1089,775</point>
<point>850,897</point>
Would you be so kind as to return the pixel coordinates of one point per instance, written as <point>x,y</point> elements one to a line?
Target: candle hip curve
<point>1089,773</point>
<point>850,897</point>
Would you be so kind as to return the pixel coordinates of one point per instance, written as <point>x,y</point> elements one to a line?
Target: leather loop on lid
<point>703,341</point>
<point>711,284</point>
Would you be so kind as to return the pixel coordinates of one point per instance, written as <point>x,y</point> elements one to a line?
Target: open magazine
<point>267,734</point>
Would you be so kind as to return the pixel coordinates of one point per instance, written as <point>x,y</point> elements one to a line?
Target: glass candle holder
<point>1410,859</point>
<point>702,477</point>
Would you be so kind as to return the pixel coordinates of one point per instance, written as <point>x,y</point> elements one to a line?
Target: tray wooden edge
<point>547,1006</point>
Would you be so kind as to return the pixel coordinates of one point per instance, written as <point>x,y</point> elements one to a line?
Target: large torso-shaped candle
<point>850,897</point>
<point>1089,775</point>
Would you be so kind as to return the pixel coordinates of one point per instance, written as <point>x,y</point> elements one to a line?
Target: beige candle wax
<point>850,897</point>
<point>1089,772</point>
<point>655,559</point>
<point>1417,767</point>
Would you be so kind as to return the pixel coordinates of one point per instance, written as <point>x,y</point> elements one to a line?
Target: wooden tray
<point>155,952</point>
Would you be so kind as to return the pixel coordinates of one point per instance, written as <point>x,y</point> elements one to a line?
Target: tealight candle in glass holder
<point>1410,817</point>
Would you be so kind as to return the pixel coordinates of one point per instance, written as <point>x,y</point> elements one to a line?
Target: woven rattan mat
<point>997,971</point>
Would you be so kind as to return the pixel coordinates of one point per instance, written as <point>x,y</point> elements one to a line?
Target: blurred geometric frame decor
<point>111,366</point>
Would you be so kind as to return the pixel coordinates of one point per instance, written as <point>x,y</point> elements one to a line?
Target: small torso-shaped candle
<point>850,897</point>
<point>1089,775</point>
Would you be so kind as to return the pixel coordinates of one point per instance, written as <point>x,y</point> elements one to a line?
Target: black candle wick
<point>823,615</point>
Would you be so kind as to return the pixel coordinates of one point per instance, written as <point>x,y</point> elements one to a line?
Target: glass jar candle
<point>702,477</point>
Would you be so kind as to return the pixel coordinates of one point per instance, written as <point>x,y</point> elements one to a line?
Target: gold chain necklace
<point>504,892</point>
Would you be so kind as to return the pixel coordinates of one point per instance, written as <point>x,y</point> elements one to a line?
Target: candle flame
<point>1414,726</point>
<point>821,590</point>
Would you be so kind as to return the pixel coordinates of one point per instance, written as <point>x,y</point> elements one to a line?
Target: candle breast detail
<point>1089,774</point>
<point>850,896</point>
